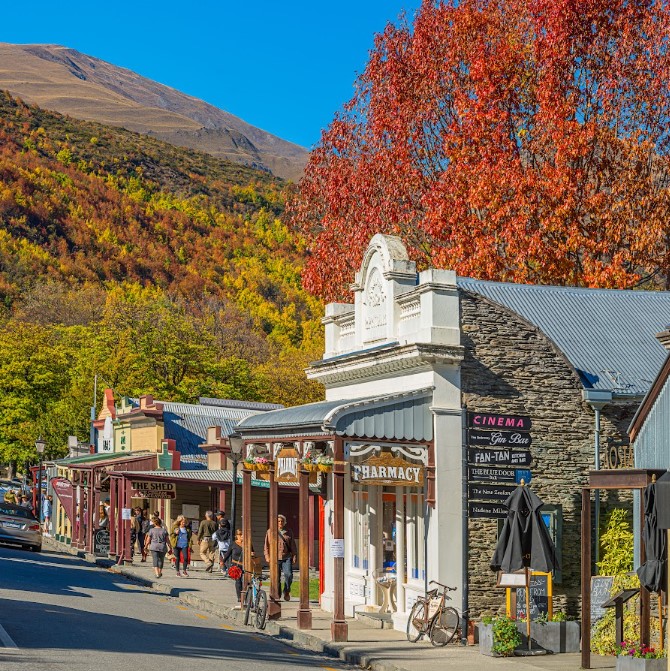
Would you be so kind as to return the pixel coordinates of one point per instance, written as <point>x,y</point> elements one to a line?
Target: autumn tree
<point>512,140</point>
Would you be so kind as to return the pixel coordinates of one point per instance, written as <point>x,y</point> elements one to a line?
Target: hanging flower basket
<point>250,465</point>
<point>325,468</point>
<point>310,466</point>
<point>262,467</point>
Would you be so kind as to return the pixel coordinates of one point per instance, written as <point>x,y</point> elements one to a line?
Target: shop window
<point>415,534</point>
<point>360,529</point>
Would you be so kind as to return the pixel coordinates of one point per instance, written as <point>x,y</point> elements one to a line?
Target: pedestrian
<point>205,532</point>
<point>103,521</point>
<point>181,542</point>
<point>10,497</point>
<point>286,554</point>
<point>158,543</point>
<point>107,507</point>
<point>235,555</point>
<point>139,518</point>
<point>25,503</point>
<point>134,528</point>
<point>145,525</point>
<point>47,507</point>
<point>222,538</point>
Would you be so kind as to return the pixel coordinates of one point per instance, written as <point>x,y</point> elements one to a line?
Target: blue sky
<point>285,68</point>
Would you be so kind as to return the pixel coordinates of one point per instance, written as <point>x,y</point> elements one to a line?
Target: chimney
<point>146,401</point>
<point>664,337</point>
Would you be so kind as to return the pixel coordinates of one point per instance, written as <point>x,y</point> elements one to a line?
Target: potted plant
<point>498,636</point>
<point>325,463</point>
<point>635,657</point>
<point>249,464</point>
<point>554,634</point>
<point>308,462</point>
<point>262,464</point>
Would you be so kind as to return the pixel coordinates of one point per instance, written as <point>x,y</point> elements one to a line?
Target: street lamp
<point>236,443</point>
<point>40,446</point>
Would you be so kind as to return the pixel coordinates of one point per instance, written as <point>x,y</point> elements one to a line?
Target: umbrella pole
<point>660,618</point>
<point>528,607</point>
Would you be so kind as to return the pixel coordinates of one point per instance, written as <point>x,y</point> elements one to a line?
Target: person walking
<point>181,542</point>
<point>286,554</point>
<point>141,534</point>
<point>205,532</point>
<point>222,538</point>
<point>145,525</point>
<point>25,503</point>
<point>158,543</point>
<point>103,521</point>
<point>47,507</point>
<point>10,497</point>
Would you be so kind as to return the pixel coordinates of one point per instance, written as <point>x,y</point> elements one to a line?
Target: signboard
<point>337,548</point>
<point>286,465</point>
<point>126,513</point>
<point>64,490</point>
<point>477,437</point>
<point>491,492</point>
<point>498,475</point>
<point>490,511</point>
<point>522,474</point>
<point>502,457</point>
<point>485,420</point>
<point>601,589</point>
<point>540,596</point>
<point>386,469</point>
<point>145,489</point>
<point>101,543</point>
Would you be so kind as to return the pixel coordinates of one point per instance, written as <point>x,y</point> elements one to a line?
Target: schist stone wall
<point>510,367</point>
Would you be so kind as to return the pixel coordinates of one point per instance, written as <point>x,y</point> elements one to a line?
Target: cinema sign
<point>386,469</point>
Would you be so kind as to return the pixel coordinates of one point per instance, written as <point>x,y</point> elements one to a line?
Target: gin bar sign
<point>489,421</point>
<point>498,438</point>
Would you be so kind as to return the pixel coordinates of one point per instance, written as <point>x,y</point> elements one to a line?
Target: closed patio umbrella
<point>652,572</point>
<point>524,542</point>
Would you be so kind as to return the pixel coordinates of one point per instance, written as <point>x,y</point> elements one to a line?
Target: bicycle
<point>256,600</point>
<point>430,615</point>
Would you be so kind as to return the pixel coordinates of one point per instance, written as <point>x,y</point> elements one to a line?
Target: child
<point>222,538</point>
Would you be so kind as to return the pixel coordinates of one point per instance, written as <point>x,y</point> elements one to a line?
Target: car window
<point>17,512</point>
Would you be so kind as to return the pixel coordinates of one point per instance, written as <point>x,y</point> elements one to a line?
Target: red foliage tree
<point>516,140</point>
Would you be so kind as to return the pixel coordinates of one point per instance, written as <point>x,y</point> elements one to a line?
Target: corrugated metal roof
<point>213,476</point>
<point>606,334</point>
<point>244,405</point>
<point>403,416</point>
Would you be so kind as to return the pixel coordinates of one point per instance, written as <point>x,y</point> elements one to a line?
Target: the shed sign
<point>146,489</point>
<point>386,469</point>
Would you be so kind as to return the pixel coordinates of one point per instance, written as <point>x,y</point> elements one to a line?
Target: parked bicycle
<point>432,617</point>
<point>256,600</point>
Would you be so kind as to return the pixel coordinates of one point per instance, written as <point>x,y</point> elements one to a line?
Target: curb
<point>288,635</point>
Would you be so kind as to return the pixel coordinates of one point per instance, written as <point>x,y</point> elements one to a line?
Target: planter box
<point>626,663</point>
<point>486,639</point>
<point>553,637</point>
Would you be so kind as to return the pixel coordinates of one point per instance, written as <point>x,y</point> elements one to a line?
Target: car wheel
<point>36,548</point>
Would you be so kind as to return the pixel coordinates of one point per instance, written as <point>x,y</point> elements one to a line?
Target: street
<point>63,613</point>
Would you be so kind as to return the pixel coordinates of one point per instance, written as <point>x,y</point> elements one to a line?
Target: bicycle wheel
<point>444,627</point>
<point>261,610</point>
<point>248,598</point>
<point>416,622</point>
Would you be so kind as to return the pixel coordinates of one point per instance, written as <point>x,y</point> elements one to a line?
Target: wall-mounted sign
<point>486,420</point>
<point>491,511</point>
<point>386,469</point>
<point>145,489</point>
<point>337,547</point>
<point>491,492</point>
<point>502,457</point>
<point>482,474</point>
<point>522,474</point>
<point>479,438</point>
<point>64,490</point>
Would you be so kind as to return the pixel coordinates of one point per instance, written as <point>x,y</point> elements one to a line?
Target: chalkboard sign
<point>101,543</point>
<point>540,596</point>
<point>601,588</point>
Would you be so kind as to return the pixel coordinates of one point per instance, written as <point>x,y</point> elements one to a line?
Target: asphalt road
<point>66,615</point>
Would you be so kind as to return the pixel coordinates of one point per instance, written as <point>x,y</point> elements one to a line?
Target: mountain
<point>72,83</point>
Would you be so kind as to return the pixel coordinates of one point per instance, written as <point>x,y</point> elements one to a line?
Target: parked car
<point>19,526</point>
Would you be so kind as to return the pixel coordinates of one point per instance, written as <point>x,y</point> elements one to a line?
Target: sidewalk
<point>368,647</point>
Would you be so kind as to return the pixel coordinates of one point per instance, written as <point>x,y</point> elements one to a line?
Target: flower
<point>632,649</point>
<point>261,460</point>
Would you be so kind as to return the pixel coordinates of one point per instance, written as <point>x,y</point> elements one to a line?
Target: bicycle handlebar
<point>450,589</point>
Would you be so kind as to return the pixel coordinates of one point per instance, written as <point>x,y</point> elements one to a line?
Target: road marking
<point>258,638</point>
<point>182,607</point>
<point>202,617</point>
<point>329,668</point>
<point>227,626</point>
<point>6,639</point>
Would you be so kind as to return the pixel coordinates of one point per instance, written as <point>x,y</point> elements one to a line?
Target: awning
<point>402,416</point>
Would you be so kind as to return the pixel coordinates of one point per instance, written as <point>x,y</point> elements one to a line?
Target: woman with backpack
<point>222,538</point>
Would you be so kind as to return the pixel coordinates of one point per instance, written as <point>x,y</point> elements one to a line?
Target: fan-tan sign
<point>386,469</point>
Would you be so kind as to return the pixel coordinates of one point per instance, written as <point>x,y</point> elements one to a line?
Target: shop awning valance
<point>402,416</point>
